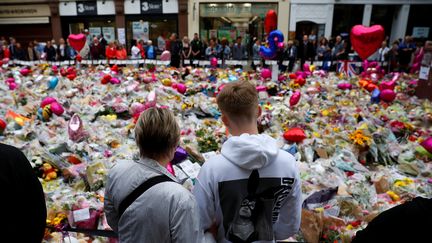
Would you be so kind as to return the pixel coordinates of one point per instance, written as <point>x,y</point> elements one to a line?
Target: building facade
<point>120,20</point>
<point>334,17</point>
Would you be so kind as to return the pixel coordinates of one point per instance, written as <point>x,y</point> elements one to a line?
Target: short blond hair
<point>156,133</point>
<point>239,101</point>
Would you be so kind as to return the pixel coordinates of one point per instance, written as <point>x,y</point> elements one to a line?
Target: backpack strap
<point>140,190</point>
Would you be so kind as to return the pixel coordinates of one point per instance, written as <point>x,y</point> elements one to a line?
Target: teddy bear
<point>49,172</point>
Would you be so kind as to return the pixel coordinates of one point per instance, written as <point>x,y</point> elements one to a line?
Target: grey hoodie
<point>222,185</point>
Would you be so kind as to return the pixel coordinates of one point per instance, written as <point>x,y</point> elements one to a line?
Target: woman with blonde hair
<point>143,201</point>
<point>187,50</point>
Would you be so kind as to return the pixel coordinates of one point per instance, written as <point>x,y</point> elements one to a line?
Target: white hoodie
<point>222,184</point>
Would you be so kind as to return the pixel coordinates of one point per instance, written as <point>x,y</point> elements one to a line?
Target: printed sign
<point>109,33</point>
<point>86,8</point>
<point>140,30</point>
<point>151,6</point>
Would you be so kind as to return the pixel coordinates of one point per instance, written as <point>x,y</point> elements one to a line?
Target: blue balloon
<point>270,52</point>
<point>53,83</point>
<point>375,98</point>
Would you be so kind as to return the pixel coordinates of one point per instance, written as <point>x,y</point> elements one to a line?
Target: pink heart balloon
<point>114,81</point>
<point>344,86</point>
<point>24,71</point>
<point>295,98</point>
<point>427,144</point>
<point>265,73</point>
<point>366,40</point>
<point>213,62</point>
<point>48,100</point>
<point>57,109</point>
<point>77,42</point>
<point>165,56</point>
<point>181,88</point>
<point>387,95</point>
<point>387,85</point>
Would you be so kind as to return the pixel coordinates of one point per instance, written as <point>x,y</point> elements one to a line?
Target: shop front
<point>26,22</point>
<point>230,19</point>
<point>151,19</point>
<point>98,17</point>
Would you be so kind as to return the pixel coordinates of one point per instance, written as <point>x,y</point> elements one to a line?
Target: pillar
<point>55,20</point>
<point>120,17</point>
<point>400,22</point>
<point>283,17</point>
<point>183,19</point>
<point>329,21</point>
<point>367,13</point>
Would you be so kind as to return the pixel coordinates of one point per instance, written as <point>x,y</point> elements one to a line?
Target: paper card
<point>166,63</point>
<point>57,63</point>
<point>319,63</point>
<point>190,169</point>
<point>141,61</point>
<point>229,62</point>
<point>424,73</point>
<point>308,62</point>
<point>257,62</point>
<point>186,62</point>
<point>72,62</point>
<point>285,63</point>
<point>158,62</point>
<point>81,214</point>
<point>195,62</point>
<point>134,61</point>
<point>111,61</point>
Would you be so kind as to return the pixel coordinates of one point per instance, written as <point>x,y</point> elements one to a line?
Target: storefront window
<point>230,20</point>
<point>383,15</point>
<point>96,25</point>
<point>345,16</point>
<point>150,28</point>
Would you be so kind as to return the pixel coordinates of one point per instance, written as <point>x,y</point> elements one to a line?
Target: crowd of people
<point>182,52</point>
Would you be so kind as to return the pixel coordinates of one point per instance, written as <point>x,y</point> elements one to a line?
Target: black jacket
<point>23,201</point>
<point>306,51</point>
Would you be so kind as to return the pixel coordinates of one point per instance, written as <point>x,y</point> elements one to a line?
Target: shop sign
<point>140,30</point>
<point>420,32</point>
<point>109,33</point>
<point>40,10</point>
<point>151,6</point>
<point>86,8</point>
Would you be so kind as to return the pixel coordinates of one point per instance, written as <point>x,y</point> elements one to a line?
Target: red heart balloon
<point>366,40</point>
<point>270,21</point>
<point>77,41</point>
<point>294,135</point>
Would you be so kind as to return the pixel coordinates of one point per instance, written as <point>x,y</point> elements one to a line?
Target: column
<point>120,17</point>
<point>183,19</point>
<point>367,13</point>
<point>400,22</point>
<point>293,21</point>
<point>193,17</point>
<point>283,17</point>
<point>55,20</point>
<point>329,21</point>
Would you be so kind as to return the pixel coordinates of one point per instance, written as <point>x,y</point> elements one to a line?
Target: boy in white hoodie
<point>251,191</point>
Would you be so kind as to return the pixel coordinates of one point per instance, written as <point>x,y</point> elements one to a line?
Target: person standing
<point>150,50</point>
<point>24,199</point>
<point>12,48</point>
<point>39,48</point>
<point>211,50</point>
<point>110,51</point>
<point>197,46</point>
<point>161,43</point>
<point>62,50</point>
<point>256,52</point>
<point>5,50</point>
<point>121,53</point>
<point>393,57</point>
<point>306,51</point>
<point>291,54</point>
<point>96,50</point>
<point>175,49</point>
<point>20,53</point>
<point>251,191</point>
<point>383,51</point>
<point>31,52</point>
<point>406,49</point>
<point>338,52</point>
<point>50,52</point>
<point>239,50</point>
<point>141,47</point>
<point>186,51</point>
<point>143,201</point>
<point>135,51</point>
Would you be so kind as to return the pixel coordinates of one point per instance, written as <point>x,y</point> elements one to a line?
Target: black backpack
<point>253,220</point>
